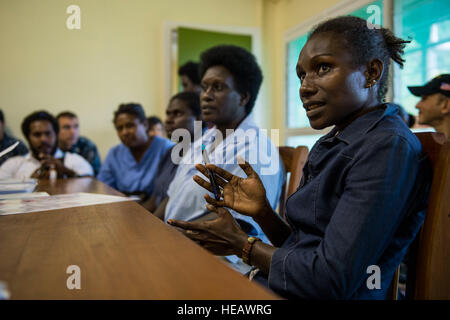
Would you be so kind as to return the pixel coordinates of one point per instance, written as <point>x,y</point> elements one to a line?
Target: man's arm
<point>150,204</point>
<point>161,210</point>
<point>76,165</point>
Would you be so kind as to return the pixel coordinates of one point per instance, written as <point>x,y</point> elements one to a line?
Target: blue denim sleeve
<point>377,188</point>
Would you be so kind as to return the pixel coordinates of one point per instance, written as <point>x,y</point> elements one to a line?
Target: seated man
<point>41,130</point>
<point>182,112</point>
<point>231,79</point>
<point>434,107</point>
<point>155,126</point>
<point>6,141</point>
<point>70,140</point>
<point>131,166</point>
<point>190,79</point>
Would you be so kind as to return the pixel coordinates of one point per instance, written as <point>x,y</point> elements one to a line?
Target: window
<point>427,24</point>
<point>298,130</point>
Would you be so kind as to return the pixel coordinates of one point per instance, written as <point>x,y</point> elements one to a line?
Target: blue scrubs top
<point>121,171</point>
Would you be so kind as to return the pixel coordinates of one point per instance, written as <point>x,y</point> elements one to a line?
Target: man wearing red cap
<point>434,107</point>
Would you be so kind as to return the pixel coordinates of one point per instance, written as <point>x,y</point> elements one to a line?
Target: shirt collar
<point>208,139</point>
<point>245,125</point>
<point>363,124</point>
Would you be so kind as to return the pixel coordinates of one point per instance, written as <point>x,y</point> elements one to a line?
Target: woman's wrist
<point>239,244</point>
<point>264,213</point>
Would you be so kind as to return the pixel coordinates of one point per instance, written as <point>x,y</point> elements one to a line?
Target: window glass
<point>427,24</point>
<point>296,117</point>
<point>304,140</point>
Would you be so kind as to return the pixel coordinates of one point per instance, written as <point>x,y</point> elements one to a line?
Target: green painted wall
<point>192,42</point>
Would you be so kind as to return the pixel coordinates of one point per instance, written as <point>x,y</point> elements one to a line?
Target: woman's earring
<point>372,83</point>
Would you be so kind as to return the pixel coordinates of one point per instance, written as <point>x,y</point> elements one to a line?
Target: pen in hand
<point>211,174</point>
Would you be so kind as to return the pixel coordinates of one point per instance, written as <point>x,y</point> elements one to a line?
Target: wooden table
<point>123,252</point>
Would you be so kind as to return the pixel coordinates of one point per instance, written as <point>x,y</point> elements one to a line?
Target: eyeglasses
<point>215,87</point>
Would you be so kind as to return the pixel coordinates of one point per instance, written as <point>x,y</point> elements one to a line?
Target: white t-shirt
<point>21,167</point>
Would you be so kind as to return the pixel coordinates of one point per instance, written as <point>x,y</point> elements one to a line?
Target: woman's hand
<point>221,236</point>
<point>246,196</point>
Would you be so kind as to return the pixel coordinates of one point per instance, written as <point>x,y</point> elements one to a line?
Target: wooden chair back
<point>293,159</point>
<point>428,255</point>
<point>428,270</point>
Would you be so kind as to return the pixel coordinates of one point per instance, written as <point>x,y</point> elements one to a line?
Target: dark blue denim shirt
<point>360,203</point>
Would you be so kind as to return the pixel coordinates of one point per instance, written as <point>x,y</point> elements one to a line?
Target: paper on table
<point>17,185</point>
<point>23,195</point>
<point>14,206</point>
<point>16,188</point>
<point>18,181</point>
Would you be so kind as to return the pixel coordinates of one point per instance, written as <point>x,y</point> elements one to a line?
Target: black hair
<point>411,120</point>
<point>38,116</point>
<point>192,100</point>
<point>190,69</point>
<point>152,121</point>
<point>2,117</point>
<point>241,64</point>
<point>366,43</point>
<point>66,114</point>
<point>134,109</point>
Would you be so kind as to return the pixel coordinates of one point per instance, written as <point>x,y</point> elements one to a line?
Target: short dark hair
<point>241,64</point>
<point>66,114</point>
<point>152,121</point>
<point>38,116</point>
<point>2,117</point>
<point>132,108</point>
<point>366,44</point>
<point>192,100</point>
<point>190,69</point>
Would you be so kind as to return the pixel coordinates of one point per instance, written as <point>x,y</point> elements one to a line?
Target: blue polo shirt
<point>121,171</point>
<point>360,203</point>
